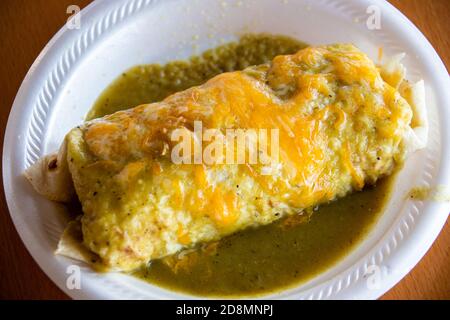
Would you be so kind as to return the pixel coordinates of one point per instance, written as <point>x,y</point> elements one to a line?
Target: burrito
<point>337,123</point>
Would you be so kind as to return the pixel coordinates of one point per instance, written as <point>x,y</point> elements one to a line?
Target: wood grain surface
<point>27,25</point>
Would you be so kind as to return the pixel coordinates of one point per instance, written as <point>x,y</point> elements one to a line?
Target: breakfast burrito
<point>335,121</point>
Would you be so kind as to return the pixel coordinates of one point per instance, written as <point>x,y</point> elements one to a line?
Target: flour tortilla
<point>394,72</point>
<point>51,178</point>
<point>71,244</point>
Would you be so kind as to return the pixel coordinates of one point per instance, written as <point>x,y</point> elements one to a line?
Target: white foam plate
<point>78,64</point>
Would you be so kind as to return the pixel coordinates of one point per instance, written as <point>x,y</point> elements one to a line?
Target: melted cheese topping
<point>340,127</point>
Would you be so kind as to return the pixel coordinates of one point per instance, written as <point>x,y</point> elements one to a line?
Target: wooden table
<point>25,28</point>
